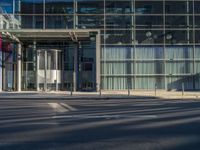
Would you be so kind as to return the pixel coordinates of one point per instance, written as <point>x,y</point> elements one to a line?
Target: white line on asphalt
<point>57,107</point>
<point>68,106</point>
<point>42,123</point>
<point>103,116</point>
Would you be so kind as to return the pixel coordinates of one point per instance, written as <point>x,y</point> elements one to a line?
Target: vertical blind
<point>143,67</point>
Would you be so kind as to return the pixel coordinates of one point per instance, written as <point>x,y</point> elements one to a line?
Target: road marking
<point>57,107</point>
<point>103,116</point>
<point>41,123</point>
<point>68,106</point>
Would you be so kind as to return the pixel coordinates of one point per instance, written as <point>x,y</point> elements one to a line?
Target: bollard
<point>182,89</point>
<point>155,89</point>
<point>71,93</point>
<point>128,90</point>
<point>99,89</point>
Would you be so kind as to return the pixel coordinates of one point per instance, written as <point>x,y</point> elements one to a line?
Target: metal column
<point>37,65</point>
<point>56,70</point>
<point>98,77</point>
<point>1,71</point>
<point>19,65</point>
<point>75,72</point>
<point>45,71</point>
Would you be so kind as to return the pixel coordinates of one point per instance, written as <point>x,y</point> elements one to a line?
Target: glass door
<point>87,68</point>
<point>49,69</point>
<point>9,66</point>
<point>10,77</point>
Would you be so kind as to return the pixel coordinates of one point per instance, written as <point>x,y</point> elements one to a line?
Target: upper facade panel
<point>102,14</point>
<point>100,6</point>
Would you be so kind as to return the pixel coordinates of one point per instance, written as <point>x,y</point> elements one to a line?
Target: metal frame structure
<point>73,35</point>
<point>106,28</point>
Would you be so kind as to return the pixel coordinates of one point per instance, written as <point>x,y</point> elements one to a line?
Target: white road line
<point>57,107</point>
<point>41,123</point>
<point>103,116</point>
<point>68,106</point>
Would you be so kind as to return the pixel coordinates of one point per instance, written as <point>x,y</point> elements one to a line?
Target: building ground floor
<point>78,60</point>
<point>50,61</point>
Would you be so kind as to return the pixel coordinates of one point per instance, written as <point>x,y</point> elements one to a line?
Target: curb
<point>77,98</point>
<point>98,98</point>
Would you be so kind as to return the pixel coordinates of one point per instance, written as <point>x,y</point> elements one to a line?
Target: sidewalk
<point>133,94</point>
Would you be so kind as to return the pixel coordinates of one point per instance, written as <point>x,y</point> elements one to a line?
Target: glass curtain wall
<point>148,43</point>
<point>143,42</point>
<point>29,67</point>
<point>9,66</point>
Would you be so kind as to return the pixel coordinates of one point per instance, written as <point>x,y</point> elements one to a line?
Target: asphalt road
<point>112,124</point>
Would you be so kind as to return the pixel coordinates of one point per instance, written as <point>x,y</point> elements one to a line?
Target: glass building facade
<point>143,43</point>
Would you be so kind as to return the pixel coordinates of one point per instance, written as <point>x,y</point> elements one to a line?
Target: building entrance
<point>49,69</point>
<point>51,60</point>
<point>9,77</point>
<point>79,66</point>
<point>9,67</point>
<point>86,62</point>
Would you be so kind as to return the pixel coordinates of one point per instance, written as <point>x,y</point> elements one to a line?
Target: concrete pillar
<point>45,71</point>
<point>19,66</point>
<point>75,72</point>
<point>1,61</point>
<point>36,60</point>
<point>98,77</point>
<point>56,70</point>
<point>1,70</point>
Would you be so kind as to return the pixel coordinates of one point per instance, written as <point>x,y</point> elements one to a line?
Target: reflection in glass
<point>90,7</point>
<point>178,36</point>
<point>118,37</point>
<point>32,22</point>
<point>149,37</point>
<point>178,7</point>
<point>59,7</point>
<point>59,22</point>
<point>149,7</point>
<point>118,7</point>
<point>6,6</point>
<point>32,6</point>
<point>90,22</point>
<point>149,22</point>
<point>118,21</point>
<point>178,21</point>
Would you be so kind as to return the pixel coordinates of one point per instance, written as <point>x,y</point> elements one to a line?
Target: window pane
<point>178,36</point>
<point>42,60</point>
<point>178,7</point>
<point>178,52</point>
<point>119,7</point>
<point>6,6</point>
<point>173,67</point>
<point>149,36</point>
<point>149,22</point>
<point>32,6</point>
<point>149,82</point>
<point>59,7</point>
<point>149,52</point>
<point>90,7</point>
<point>118,21</point>
<point>197,21</point>
<point>59,22</point>
<point>145,67</point>
<point>149,7</point>
<point>178,21</point>
<point>32,21</point>
<point>197,7</point>
<point>118,36</point>
<point>90,21</point>
<point>197,36</point>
